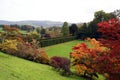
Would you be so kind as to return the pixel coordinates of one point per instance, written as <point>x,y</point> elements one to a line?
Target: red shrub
<point>61,63</point>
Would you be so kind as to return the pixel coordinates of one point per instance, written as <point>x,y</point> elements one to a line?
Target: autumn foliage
<point>104,55</point>
<point>61,63</point>
<point>111,39</point>
<point>84,57</point>
<point>16,44</point>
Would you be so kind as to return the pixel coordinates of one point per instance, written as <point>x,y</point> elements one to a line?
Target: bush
<point>25,50</point>
<point>28,51</point>
<point>42,57</point>
<point>61,63</point>
<point>9,46</point>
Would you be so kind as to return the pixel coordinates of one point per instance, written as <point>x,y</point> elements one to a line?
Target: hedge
<point>48,42</point>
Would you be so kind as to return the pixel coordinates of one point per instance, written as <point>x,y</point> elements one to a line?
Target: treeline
<point>21,27</point>
<point>90,29</point>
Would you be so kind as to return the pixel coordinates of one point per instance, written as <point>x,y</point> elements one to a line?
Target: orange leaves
<point>84,57</point>
<point>80,51</point>
<point>80,68</point>
<point>96,45</point>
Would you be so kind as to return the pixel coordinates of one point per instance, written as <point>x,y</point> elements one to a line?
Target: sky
<point>55,10</point>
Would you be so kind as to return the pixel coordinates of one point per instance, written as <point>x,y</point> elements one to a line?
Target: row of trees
<point>90,29</point>
<point>27,28</point>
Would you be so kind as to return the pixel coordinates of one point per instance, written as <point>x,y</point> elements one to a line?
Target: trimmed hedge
<point>48,42</point>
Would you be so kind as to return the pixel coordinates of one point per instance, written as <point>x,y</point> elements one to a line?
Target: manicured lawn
<point>62,49</point>
<point>13,68</point>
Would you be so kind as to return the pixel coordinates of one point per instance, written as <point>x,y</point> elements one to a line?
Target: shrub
<point>42,57</point>
<point>9,46</point>
<point>26,51</point>
<point>29,51</point>
<point>61,63</point>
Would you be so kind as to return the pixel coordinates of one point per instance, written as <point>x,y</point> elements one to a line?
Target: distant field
<point>62,49</point>
<point>1,30</point>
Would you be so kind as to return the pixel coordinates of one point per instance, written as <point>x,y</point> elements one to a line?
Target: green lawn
<point>13,68</point>
<point>62,49</point>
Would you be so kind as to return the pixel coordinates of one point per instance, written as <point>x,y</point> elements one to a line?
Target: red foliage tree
<point>110,62</point>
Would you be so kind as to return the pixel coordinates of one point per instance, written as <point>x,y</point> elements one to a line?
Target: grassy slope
<point>13,68</point>
<point>62,49</point>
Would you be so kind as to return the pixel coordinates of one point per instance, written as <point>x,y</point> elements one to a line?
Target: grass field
<point>13,68</point>
<point>62,49</point>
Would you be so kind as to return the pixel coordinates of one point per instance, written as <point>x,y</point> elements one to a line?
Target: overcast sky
<point>54,10</point>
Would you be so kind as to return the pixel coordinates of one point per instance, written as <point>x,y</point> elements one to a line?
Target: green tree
<point>98,17</point>
<point>101,15</point>
<point>42,31</point>
<point>38,30</point>
<point>73,29</point>
<point>83,31</point>
<point>65,29</point>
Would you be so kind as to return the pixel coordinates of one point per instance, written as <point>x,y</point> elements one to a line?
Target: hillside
<point>33,23</point>
<point>13,68</point>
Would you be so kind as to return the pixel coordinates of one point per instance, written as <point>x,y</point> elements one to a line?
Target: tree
<point>38,29</point>
<point>73,29</point>
<point>27,28</point>
<point>10,33</point>
<point>117,13</point>
<point>15,25</point>
<point>101,16</point>
<point>65,29</point>
<point>91,29</point>
<point>111,40</point>
<point>82,33</point>
<point>42,30</point>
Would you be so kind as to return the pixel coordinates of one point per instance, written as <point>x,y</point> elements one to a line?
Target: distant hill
<point>33,23</point>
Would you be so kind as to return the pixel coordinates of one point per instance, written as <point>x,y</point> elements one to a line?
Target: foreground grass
<point>13,68</point>
<point>62,49</point>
